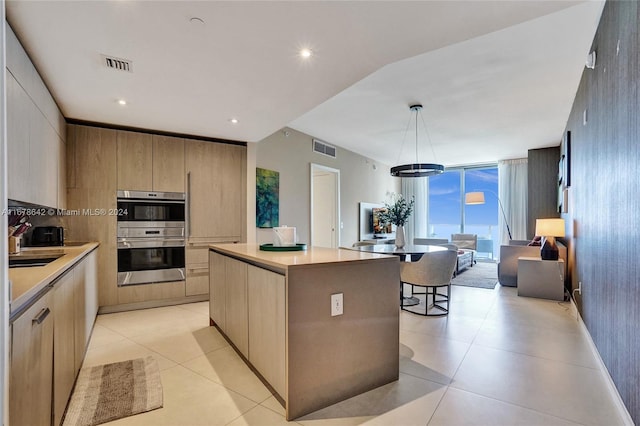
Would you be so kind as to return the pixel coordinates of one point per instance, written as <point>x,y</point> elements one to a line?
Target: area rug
<point>112,391</point>
<point>481,275</point>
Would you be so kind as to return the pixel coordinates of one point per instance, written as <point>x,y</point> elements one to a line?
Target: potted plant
<point>397,213</point>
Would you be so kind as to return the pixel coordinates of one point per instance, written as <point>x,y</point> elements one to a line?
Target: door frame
<point>318,167</point>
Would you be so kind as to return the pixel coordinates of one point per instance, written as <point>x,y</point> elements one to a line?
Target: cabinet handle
<point>203,269</point>
<point>41,316</point>
<point>188,206</point>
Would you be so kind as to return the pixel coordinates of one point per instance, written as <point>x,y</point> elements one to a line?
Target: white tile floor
<point>497,359</point>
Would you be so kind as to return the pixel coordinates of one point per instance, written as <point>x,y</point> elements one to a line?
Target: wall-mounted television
<point>370,226</point>
<point>376,225</point>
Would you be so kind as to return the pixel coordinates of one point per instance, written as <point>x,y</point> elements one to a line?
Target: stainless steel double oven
<point>151,237</point>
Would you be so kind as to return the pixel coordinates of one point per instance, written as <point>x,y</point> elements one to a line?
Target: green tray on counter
<point>271,247</point>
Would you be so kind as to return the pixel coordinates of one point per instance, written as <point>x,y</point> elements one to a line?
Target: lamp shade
<point>474,198</point>
<point>550,227</point>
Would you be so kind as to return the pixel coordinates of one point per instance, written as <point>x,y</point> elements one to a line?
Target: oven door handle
<point>124,243</point>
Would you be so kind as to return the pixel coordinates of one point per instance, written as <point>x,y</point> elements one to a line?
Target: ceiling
<point>495,77</point>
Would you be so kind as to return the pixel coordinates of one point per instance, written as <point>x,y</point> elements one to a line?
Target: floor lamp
<point>471,198</point>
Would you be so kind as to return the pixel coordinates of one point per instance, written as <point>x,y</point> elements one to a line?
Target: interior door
<point>325,207</point>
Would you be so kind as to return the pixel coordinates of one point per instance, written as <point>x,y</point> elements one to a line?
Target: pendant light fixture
<point>416,169</point>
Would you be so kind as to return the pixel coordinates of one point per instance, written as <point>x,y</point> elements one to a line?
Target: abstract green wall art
<point>267,198</point>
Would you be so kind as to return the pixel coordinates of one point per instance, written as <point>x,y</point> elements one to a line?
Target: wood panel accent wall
<point>542,182</point>
<point>603,203</point>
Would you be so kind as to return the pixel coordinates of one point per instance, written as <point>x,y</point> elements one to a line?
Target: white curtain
<point>512,187</point>
<point>417,224</point>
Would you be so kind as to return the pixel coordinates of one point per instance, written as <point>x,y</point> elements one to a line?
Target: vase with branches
<point>397,212</point>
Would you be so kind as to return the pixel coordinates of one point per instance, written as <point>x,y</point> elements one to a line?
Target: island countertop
<point>319,326</point>
<point>282,260</point>
<point>27,282</point>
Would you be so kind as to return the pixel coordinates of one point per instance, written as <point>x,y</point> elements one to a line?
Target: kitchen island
<point>275,308</point>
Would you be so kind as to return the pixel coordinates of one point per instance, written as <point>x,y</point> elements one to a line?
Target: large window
<point>449,215</point>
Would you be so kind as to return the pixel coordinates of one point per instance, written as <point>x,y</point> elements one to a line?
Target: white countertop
<point>27,282</point>
<point>285,259</point>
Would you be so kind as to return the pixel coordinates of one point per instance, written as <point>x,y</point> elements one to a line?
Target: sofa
<point>509,254</point>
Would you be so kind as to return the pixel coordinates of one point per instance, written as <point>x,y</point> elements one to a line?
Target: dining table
<point>409,252</point>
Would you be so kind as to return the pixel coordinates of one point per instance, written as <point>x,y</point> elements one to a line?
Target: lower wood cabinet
<point>266,309</point>
<point>31,371</point>
<point>197,280</point>
<point>64,355</point>
<point>48,344</point>
<point>85,301</point>
<point>197,261</point>
<point>236,321</point>
<point>228,299</point>
<point>217,290</point>
<point>248,304</point>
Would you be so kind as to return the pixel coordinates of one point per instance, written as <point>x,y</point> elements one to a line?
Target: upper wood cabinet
<point>168,164</point>
<point>44,160</point>
<point>18,176</point>
<point>35,133</point>
<point>150,162</point>
<point>135,158</point>
<point>216,190</point>
<point>35,151</point>
<point>91,159</point>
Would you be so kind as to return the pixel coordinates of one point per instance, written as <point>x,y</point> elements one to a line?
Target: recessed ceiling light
<point>306,53</point>
<point>122,102</point>
<point>233,120</point>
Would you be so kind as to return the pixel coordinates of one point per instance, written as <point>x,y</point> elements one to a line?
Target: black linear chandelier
<point>416,169</point>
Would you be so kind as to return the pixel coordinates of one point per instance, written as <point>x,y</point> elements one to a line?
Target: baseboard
<point>622,409</point>
<point>151,304</point>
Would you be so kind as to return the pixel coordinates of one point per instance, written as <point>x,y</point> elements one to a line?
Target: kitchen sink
<point>32,260</point>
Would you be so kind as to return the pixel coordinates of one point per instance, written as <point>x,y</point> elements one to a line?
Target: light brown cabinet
<point>64,356</point>
<point>266,312</point>
<point>228,299</point>
<point>35,151</point>
<point>197,282</point>
<point>168,164</point>
<point>216,190</point>
<point>18,176</point>
<point>135,158</point>
<point>217,286</point>
<point>197,262</point>
<point>85,304</point>
<point>31,368</point>
<point>91,182</point>
<point>150,162</point>
<point>236,321</point>
<point>35,132</point>
<point>48,344</point>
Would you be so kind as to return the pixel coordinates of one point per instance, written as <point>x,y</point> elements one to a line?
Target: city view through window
<point>448,213</point>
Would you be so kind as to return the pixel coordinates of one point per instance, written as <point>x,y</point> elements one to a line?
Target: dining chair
<point>433,272</point>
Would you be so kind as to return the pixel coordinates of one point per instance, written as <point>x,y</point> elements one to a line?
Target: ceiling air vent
<point>324,148</point>
<point>118,63</point>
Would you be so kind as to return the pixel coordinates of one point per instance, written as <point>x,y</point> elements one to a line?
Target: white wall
<point>361,179</point>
